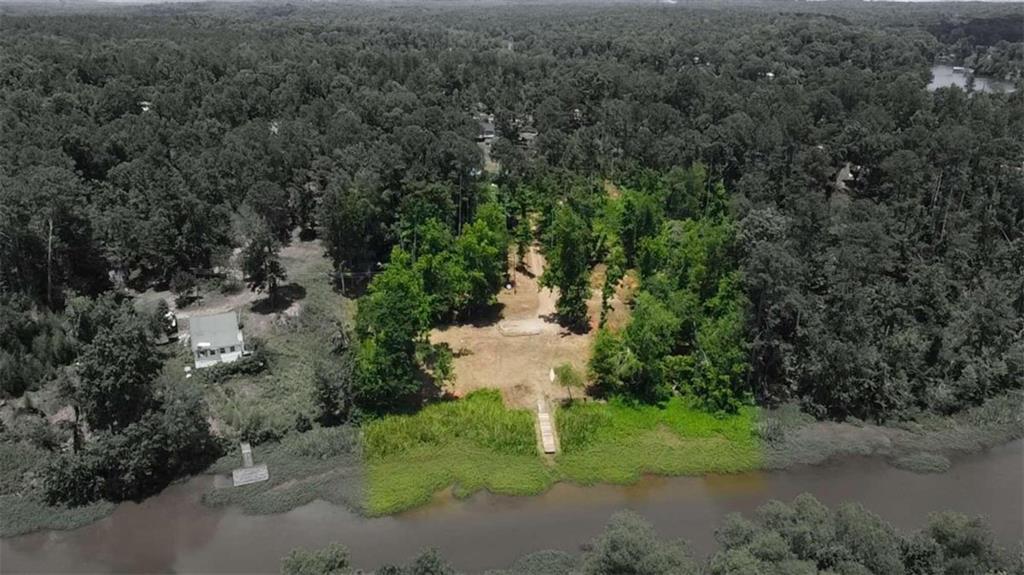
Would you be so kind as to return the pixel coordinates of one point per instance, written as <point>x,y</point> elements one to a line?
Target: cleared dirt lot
<point>516,351</point>
<point>299,258</point>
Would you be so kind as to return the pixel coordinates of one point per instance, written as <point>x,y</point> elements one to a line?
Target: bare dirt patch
<point>299,259</point>
<point>516,353</point>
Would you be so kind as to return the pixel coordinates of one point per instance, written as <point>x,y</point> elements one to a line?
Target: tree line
<point>802,537</point>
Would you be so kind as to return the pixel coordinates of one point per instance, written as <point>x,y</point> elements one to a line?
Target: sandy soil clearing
<point>516,353</point>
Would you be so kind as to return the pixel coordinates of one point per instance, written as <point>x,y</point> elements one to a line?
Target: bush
<point>770,430</point>
<point>331,560</point>
<point>231,286</point>
<point>256,426</point>
<point>923,463</point>
<point>255,363</point>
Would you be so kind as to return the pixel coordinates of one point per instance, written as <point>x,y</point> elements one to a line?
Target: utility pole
<point>49,264</point>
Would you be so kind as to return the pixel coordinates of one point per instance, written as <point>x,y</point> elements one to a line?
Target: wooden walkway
<point>547,427</point>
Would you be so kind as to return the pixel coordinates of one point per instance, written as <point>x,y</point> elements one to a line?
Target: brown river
<point>174,533</point>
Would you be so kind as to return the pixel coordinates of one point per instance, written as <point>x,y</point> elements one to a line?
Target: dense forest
<point>808,223</point>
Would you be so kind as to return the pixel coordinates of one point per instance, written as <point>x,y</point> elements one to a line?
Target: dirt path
<point>546,297</point>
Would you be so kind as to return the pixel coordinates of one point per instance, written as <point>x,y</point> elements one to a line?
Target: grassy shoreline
<point>476,443</point>
<point>615,443</point>
<point>331,464</point>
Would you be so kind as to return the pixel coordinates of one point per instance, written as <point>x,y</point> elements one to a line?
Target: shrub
<point>231,286</point>
<point>255,363</point>
<point>923,463</point>
<point>331,560</point>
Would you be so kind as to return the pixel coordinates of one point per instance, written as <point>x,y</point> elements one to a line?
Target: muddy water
<point>174,533</point>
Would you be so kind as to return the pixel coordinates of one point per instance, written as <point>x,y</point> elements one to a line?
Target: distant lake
<point>943,76</point>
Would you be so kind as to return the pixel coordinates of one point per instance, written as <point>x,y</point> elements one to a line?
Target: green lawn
<point>477,443</point>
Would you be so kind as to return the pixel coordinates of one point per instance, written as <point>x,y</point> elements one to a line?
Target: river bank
<point>328,465</point>
<point>175,532</point>
<point>924,445</point>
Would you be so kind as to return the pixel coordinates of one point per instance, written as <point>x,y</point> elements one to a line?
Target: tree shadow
<point>485,316</point>
<point>282,299</point>
<point>352,287</point>
<point>462,352</point>
<point>521,268</point>
<point>477,317</point>
<point>568,327</point>
<point>430,391</point>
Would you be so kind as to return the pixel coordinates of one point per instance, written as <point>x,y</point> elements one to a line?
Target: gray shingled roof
<point>220,330</point>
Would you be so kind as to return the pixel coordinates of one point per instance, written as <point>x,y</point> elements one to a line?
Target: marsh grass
<point>471,444</point>
<point>617,443</point>
<point>477,443</point>
<point>411,479</point>
<point>323,463</point>
<point>480,419</point>
<point>923,463</point>
<point>923,444</point>
<point>27,514</point>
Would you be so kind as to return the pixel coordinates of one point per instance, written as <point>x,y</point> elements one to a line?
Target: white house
<point>215,339</point>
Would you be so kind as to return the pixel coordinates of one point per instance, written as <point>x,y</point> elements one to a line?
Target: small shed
<point>486,131</point>
<point>215,339</point>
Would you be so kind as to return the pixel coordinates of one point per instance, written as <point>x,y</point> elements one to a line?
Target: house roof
<point>218,330</point>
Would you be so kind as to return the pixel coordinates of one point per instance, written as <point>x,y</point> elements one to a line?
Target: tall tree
<point>393,316</point>
<point>260,261</point>
<point>568,266</point>
<point>115,372</point>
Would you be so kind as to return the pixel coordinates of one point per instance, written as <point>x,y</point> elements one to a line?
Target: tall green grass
<point>480,419</point>
<point>477,443</point>
<point>471,444</point>
<point>617,443</point>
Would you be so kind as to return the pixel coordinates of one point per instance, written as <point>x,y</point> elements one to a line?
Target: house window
<point>222,350</point>
<point>232,348</point>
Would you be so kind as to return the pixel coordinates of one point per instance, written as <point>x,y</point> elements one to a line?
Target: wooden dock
<point>249,473</point>
<point>547,427</point>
